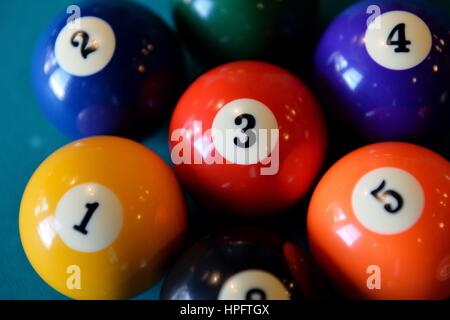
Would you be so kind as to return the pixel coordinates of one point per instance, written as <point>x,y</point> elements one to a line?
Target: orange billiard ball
<point>379,220</point>
<point>248,138</point>
<point>100,217</point>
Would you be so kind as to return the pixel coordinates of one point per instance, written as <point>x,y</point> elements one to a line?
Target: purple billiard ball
<point>384,69</point>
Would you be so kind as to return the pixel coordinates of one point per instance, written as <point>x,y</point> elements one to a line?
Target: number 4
<point>401,42</point>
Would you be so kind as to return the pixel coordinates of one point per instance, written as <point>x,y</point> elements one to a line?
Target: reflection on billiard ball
<point>384,70</point>
<point>247,138</point>
<point>114,70</point>
<point>243,264</point>
<point>100,217</point>
<point>378,223</point>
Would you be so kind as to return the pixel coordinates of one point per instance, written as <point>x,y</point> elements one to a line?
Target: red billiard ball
<point>378,223</point>
<point>247,138</point>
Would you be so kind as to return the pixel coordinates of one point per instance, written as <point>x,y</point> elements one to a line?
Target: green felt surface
<point>27,138</point>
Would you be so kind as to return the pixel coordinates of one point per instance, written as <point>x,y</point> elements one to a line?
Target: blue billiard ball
<point>106,68</point>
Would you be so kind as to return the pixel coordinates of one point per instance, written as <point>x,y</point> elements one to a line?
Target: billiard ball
<point>378,223</point>
<point>328,10</point>
<point>226,30</point>
<point>100,217</point>
<point>247,138</point>
<point>384,70</point>
<point>243,264</point>
<point>442,4</point>
<point>107,68</point>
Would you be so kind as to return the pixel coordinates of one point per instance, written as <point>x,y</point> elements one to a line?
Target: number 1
<point>82,226</point>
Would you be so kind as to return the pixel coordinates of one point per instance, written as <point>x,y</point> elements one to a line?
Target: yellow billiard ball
<point>100,217</point>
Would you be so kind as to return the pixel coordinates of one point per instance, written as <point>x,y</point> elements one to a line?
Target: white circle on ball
<point>245,131</point>
<point>398,40</point>
<point>89,217</point>
<point>253,284</point>
<point>86,49</point>
<point>388,200</point>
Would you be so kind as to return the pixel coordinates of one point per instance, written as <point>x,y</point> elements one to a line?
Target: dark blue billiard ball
<point>243,264</point>
<point>106,68</point>
<point>383,68</point>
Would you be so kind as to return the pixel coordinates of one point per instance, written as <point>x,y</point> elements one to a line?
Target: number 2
<point>401,42</point>
<point>82,226</point>
<point>382,198</point>
<point>85,49</point>
<point>251,136</point>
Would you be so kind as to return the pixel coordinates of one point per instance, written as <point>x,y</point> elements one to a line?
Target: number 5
<point>382,198</point>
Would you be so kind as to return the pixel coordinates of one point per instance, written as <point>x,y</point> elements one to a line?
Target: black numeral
<point>85,49</point>
<point>91,207</point>
<point>401,42</point>
<point>251,136</point>
<point>255,294</point>
<point>383,198</point>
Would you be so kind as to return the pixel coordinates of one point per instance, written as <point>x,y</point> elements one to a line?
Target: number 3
<point>251,136</point>
<point>382,198</point>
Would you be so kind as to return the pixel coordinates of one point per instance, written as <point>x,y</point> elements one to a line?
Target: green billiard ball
<point>227,30</point>
<point>443,4</point>
<point>329,9</point>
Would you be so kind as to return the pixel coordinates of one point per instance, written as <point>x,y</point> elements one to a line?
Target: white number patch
<point>86,50</point>
<point>245,131</point>
<point>89,217</point>
<point>253,285</point>
<point>398,40</point>
<point>388,200</point>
